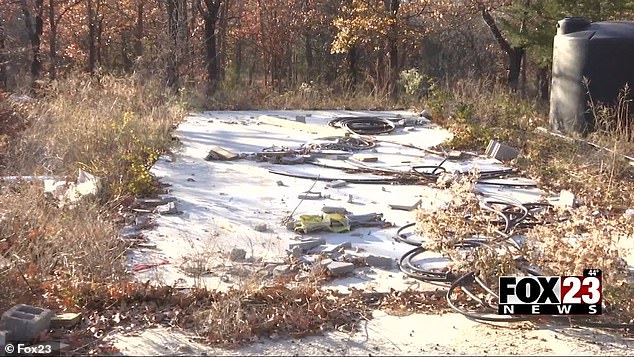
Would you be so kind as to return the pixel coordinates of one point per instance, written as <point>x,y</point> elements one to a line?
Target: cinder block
<point>340,268</point>
<point>331,250</point>
<point>501,151</point>
<point>337,184</point>
<point>237,255</point>
<point>330,209</point>
<point>379,261</point>
<point>307,244</point>
<point>24,322</point>
<point>66,320</point>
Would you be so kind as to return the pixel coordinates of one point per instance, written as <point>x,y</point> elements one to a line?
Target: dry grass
<point>41,243</point>
<point>306,96</point>
<point>113,127</point>
<point>573,239</point>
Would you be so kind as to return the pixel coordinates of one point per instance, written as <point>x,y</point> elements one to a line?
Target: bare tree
<point>3,57</point>
<point>34,28</point>
<point>210,10</point>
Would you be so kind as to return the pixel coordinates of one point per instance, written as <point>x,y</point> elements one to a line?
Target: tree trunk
<point>139,29</point>
<point>211,56</point>
<point>392,8</point>
<point>172,27</point>
<point>543,84</point>
<point>34,29</point>
<point>351,59</point>
<point>3,57</point>
<point>238,61</point>
<point>514,54</point>
<point>92,37</point>
<point>52,41</point>
<point>210,18</point>
<point>308,48</point>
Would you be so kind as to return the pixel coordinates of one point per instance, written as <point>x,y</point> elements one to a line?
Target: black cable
<point>364,125</point>
<point>401,237</point>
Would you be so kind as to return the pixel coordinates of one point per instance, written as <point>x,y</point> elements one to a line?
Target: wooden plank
<point>296,125</point>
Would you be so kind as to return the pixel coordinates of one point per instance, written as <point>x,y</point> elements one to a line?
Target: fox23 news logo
<point>551,295</point>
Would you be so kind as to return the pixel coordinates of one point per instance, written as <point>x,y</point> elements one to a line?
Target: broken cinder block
<point>406,206</point>
<point>310,196</point>
<point>338,210</point>
<point>168,208</point>
<point>25,322</point>
<point>65,320</point>
<point>237,254</point>
<point>340,268</point>
<point>379,261</point>
<point>218,153</point>
<point>501,151</point>
<point>337,184</point>
<point>307,244</point>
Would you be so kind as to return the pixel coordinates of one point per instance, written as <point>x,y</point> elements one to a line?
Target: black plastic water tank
<point>602,53</point>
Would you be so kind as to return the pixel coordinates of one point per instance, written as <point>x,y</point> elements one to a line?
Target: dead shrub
<point>40,243</point>
<point>112,127</point>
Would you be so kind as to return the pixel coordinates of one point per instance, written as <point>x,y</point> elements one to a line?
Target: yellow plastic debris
<point>334,222</point>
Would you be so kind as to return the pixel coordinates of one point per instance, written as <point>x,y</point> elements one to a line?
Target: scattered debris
<point>306,244</point>
<point>329,209</point>
<point>218,153</point>
<point>565,199</point>
<point>65,320</point>
<point>131,232</point>
<point>154,201</point>
<point>280,183</point>
<point>332,249</point>
<point>501,151</point>
<point>292,160</point>
<point>300,119</point>
<point>24,323</point>
<point>407,207</point>
<point>340,268</point>
<point>237,255</point>
<point>191,179</point>
<point>379,261</point>
<point>310,196</point>
<point>365,157</point>
<point>69,192</point>
<point>146,266</point>
<point>167,209</point>
<point>455,155</point>
<point>333,222</point>
<point>281,270</point>
<point>261,227</point>
<point>337,184</point>
<point>309,128</point>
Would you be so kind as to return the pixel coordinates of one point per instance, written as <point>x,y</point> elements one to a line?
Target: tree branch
<point>499,37</point>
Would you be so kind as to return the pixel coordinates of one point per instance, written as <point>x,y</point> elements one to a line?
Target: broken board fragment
<point>365,158</point>
<point>501,151</point>
<point>337,184</point>
<point>406,207</point>
<point>455,155</point>
<point>310,196</point>
<point>218,153</point>
<point>66,320</point>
